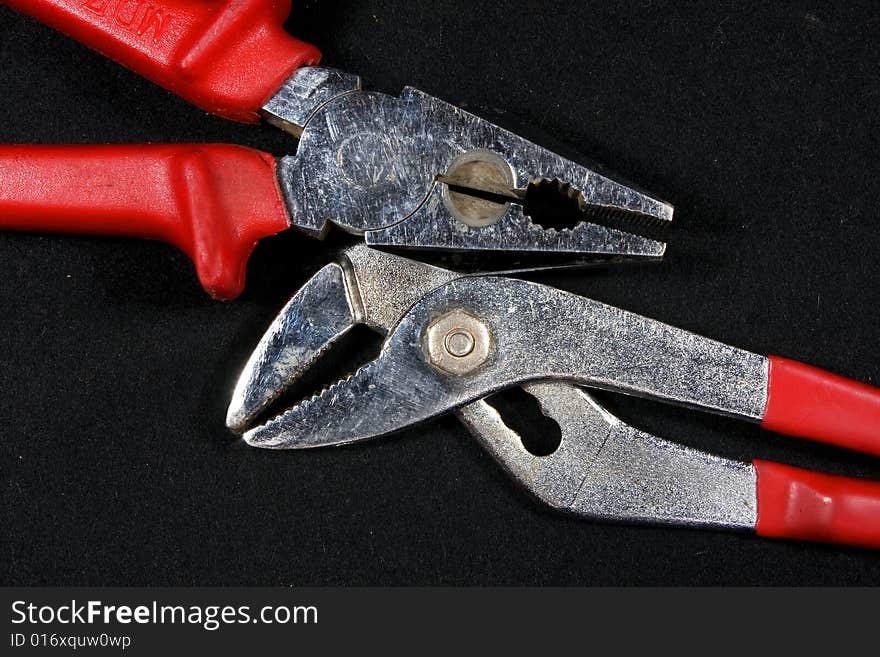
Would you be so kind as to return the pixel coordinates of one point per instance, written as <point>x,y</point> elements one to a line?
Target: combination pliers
<point>409,172</point>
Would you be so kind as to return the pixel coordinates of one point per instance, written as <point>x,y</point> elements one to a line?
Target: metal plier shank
<point>453,340</point>
<point>409,172</point>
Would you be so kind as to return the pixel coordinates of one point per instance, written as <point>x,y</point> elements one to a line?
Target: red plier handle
<point>808,402</point>
<point>812,506</point>
<point>215,202</point>
<point>226,56</point>
<point>799,504</point>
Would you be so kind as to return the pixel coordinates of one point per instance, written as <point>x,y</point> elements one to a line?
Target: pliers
<point>454,340</point>
<point>409,172</point>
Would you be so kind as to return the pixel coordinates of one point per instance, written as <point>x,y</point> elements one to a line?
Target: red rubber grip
<point>226,56</point>
<point>811,506</point>
<point>214,202</point>
<point>807,402</point>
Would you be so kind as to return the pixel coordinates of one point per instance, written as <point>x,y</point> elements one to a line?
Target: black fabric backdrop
<point>758,121</point>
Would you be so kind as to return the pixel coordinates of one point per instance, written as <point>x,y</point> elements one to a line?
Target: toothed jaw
<point>287,431</point>
<point>334,416</point>
<point>312,321</point>
<point>384,396</point>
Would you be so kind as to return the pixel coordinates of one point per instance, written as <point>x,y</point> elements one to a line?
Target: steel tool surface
<point>453,340</point>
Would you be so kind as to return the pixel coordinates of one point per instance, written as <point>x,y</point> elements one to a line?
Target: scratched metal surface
<point>367,163</point>
<point>605,469</point>
<point>537,333</point>
<point>602,468</point>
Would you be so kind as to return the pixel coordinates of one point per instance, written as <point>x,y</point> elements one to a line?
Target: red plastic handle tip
<point>226,56</point>
<point>803,505</point>
<point>807,402</point>
<point>215,202</point>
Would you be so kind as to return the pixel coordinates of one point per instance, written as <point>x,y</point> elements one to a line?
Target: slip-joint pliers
<point>453,341</point>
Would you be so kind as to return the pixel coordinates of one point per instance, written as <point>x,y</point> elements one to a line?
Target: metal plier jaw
<point>453,340</point>
<point>477,335</point>
<point>604,469</point>
<point>420,174</point>
<point>364,287</point>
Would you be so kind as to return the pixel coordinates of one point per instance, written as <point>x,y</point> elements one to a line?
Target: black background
<point>758,121</point>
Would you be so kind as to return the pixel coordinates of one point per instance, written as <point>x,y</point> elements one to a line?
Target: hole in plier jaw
<point>521,412</point>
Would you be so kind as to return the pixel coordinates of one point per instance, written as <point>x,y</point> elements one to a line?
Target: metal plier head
<point>453,339</point>
<point>417,173</point>
<point>364,286</point>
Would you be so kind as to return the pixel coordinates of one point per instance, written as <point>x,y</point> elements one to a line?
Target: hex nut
<point>457,342</point>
